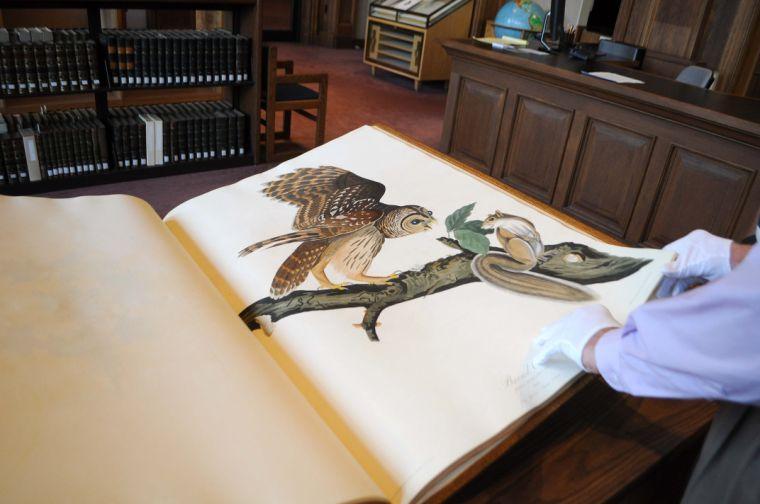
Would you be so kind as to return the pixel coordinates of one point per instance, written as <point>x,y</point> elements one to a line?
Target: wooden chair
<point>285,92</point>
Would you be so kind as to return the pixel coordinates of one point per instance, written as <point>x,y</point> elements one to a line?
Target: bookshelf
<point>245,96</point>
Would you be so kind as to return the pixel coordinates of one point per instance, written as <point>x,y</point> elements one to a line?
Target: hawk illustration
<point>340,220</point>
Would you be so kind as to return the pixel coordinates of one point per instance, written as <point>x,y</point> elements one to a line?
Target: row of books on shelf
<point>139,58</point>
<point>71,143</point>
<point>41,60</point>
<point>153,135</point>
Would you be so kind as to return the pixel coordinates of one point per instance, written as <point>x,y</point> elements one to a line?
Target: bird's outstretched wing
<point>325,193</point>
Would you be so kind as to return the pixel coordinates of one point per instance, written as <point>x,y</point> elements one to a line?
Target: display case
<point>404,36</point>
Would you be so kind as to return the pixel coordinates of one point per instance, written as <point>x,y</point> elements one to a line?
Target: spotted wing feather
<point>324,193</point>
<point>296,267</point>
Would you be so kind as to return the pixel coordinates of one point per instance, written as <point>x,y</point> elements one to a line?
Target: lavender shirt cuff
<point>607,354</point>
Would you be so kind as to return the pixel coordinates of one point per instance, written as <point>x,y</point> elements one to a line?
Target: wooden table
<point>590,443</point>
<point>646,163</point>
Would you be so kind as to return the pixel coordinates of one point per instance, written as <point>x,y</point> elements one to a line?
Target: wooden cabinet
<point>630,161</point>
<point>408,42</point>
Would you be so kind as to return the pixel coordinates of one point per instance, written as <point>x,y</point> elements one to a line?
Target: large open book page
<point>127,378</point>
<point>416,372</point>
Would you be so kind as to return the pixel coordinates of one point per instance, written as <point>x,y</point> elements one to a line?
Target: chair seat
<point>294,92</point>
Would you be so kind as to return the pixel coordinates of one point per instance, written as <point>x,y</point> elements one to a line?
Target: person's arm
<point>703,343</point>
<point>738,253</point>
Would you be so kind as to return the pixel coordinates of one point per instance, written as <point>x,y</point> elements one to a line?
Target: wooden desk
<point>645,163</point>
<point>589,443</point>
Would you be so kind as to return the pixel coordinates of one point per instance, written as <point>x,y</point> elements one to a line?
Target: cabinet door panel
<point>478,115</point>
<point>698,192</point>
<point>539,135</point>
<point>608,176</point>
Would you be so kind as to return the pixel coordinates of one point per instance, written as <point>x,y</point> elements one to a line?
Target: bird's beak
<point>429,225</point>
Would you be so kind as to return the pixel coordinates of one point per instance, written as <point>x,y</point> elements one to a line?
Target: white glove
<point>701,255</point>
<point>569,335</point>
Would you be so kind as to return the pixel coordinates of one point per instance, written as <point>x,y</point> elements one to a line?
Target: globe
<point>519,14</point>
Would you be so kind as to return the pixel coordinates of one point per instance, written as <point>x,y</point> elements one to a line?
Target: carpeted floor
<point>354,98</point>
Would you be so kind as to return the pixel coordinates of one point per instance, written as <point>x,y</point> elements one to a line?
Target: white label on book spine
<point>32,85</point>
<point>169,79</point>
<point>53,84</point>
<point>11,86</point>
<point>43,84</point>
<point>22,86</point>
<point>184,79</point>
<point>224,152</point>
<point>192,79</point>
<point>131,80</point>
<point>192,155</point>
<point>224,77</point>
<point>160,80</point>
<point>205,155</point>
<point>144,161</point>
<point>182,157</point>
<point>138,80</point>
<point>64,83</point>
<point>85,82</point>
<point>208,77</point>
<point>240,151</point>
<point>153,80</point>
<point>200,78</point>
<point>212,153</point>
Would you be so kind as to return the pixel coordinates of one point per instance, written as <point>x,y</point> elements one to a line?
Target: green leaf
<point>472,241</point>
<point>476,226</point>
<point>458,217</point>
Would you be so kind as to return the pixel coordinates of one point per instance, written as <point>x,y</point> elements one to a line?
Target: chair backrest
<point>696,76</point>
<point>610,50</point>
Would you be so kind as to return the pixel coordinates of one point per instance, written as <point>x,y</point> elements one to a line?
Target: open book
<point>359,331</point>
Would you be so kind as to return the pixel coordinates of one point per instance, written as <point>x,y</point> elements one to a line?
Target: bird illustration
<point>518,237</point>
<point>340,221</point>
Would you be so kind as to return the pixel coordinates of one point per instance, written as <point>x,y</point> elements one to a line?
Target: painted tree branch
<point>440,275</point>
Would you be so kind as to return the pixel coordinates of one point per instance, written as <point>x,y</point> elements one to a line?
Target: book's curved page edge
<point>127,377</point>
<point>423,471</point>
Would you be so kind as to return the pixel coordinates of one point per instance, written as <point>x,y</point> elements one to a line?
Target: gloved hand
<point>701,255</point>
<point>569,335</point>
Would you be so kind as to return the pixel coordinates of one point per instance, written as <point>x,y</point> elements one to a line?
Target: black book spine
<point>71,63</point>
<point>130,59</point>
<point>22,55</point>
<point>137,40</point>
<point>154,64</point>
<point>185,59</point>
<point>92,64</point>
<point>61,66</point>
<point>121,60</point>
<point>163,57</point>
<point>40,63</point>
<point>52,67</point>
<point>6,61</point>
<point>174,68</point>
<point>3,173</point>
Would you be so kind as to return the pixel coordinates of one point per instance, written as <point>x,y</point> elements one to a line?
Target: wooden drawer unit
<point>409,44</point>
<point>397,48</point>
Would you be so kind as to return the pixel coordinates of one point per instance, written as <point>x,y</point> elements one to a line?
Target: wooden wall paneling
<point>477,103</point>
<point>609,174</point>
<point>715,196</point>
<point>740,47</point>
<point>536,146</point>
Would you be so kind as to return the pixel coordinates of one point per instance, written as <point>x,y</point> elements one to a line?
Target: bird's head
<point>411,219</point>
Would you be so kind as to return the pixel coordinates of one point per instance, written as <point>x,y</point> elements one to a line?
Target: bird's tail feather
<point>296,236</point>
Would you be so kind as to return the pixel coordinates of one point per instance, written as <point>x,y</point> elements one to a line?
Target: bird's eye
<point>415,222</point>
